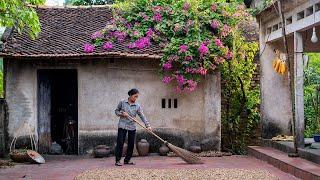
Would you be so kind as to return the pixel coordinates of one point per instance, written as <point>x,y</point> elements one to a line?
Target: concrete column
<point>298,89</point>
<point>212,109</point>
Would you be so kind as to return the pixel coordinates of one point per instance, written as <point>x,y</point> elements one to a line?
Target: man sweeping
<point>125,109</point>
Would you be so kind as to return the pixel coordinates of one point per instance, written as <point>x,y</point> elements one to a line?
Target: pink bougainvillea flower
<point>180,79</point>
<point>219,60</point>
<point>218,42</point>
<point>149,33</point>
<point>214,24</point>
<point>136,33</point>
<point>129,25</point>
<point>186,6</point>
<point>191,70</point>
<point>157,17</point>
<point>142,43</point>
<point>203,49</point>
<point>185,62</point>
<point>88,48</point>
<point>213,7</point>
<point>107,46</point>
<point>225,31</point>
<point>167,66</point>
<point>137,24</point>
<point>178,89</point>
<point>157,8</point>
<point>188,58</point>
<point>96,35</point>
<point>167,79</point>
<point>202,71</point>
<point>173,58</point>
<point>188,25</point>
<point>183,48</point>
<point>120,36</point>
<point>122,20</point>
<point>229,55</point>
<point>131,45</point>
<point>177,27</point>
<point>191,85</point>
<point>144,16</point>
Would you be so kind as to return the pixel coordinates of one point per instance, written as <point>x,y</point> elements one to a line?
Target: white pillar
<point>298,89</point>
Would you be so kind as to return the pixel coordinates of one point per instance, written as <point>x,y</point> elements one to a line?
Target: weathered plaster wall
<point>102,84</point>
<point>275,97</point>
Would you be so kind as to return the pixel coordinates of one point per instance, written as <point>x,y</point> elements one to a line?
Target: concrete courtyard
<point>68,167</point>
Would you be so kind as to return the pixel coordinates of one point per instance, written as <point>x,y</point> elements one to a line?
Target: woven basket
<point>20,155</point>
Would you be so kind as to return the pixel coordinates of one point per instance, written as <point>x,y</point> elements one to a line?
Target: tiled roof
<point>63,33</point>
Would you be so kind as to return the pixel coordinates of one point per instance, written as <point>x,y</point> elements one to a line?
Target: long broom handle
<point>133,119</point>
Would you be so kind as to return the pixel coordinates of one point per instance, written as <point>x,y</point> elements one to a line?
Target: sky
<point>54,2</point>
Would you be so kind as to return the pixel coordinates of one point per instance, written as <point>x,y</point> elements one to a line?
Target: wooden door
<point>44,111</point>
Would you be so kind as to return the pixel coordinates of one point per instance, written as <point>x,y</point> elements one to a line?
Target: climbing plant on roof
<point>197,36</point>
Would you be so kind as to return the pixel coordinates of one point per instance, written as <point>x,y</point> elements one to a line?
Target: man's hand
<point>125,114</point>
<point>149,128</point>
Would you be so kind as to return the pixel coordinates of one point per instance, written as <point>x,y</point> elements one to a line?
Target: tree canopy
<point>20,14</point>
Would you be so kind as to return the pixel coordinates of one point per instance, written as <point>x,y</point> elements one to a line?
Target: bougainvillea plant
<point>197,35</point>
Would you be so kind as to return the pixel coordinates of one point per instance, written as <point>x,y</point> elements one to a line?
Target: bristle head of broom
<point>187,156</point>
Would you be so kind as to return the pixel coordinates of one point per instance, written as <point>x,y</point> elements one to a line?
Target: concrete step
<point>286,147</point>
<point>298,167</point>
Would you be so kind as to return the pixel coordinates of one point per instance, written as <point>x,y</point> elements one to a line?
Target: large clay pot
<point>195,149</point>
<point>143,147</point>
<point>101,151</point>
<point>163,150</point>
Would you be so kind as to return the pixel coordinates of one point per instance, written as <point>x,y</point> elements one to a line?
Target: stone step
<point>286,147</point>
<point>298,167</point>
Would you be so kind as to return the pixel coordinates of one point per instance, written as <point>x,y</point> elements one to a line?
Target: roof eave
<point>82,55</point>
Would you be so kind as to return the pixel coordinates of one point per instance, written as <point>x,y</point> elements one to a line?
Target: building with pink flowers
<point>69,96</point>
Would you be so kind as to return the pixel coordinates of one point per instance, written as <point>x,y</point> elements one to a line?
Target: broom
<point>187,156</point>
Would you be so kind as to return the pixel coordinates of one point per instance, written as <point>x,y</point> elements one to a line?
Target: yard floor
<point>68,167</point>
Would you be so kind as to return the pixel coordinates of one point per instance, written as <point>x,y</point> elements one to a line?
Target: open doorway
<point>58,110</point>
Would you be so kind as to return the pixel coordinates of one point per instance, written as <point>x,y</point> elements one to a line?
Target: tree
<point>20,14</point>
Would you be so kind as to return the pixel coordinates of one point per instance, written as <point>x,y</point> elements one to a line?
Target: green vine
<point>240,112</point>
<point>262,6</point>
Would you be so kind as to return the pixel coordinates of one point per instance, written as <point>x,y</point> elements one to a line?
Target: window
<point>170,105</point>
<point>269,30</point>
<point>275,27</point>
<point>317,7</point>
<point>175,103</point>
<point>309,11</point>
<point>163,103</point>
<point>289,20</point>
<point>300,15</point>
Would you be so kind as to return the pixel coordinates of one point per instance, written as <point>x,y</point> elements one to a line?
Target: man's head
<point>133,94</point>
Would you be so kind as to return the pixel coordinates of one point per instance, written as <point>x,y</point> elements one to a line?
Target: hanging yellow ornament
<point>278,64</point>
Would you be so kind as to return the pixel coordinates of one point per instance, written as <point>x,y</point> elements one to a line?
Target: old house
<point>301,22</point>
<point>69,96</point>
